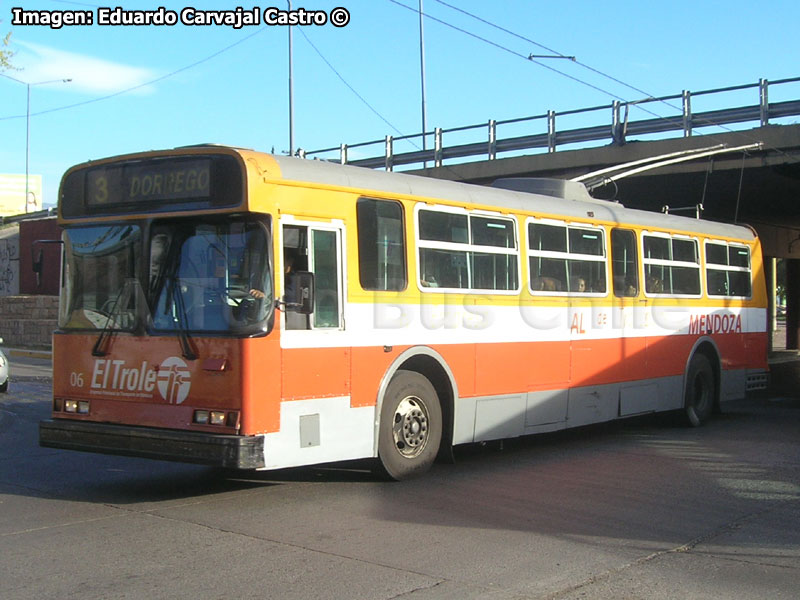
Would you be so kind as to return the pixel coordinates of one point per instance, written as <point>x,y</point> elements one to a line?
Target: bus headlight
<point>218,418</point>
<point>80,407</point>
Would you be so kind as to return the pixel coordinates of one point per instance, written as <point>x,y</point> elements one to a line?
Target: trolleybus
<point>227,307</point>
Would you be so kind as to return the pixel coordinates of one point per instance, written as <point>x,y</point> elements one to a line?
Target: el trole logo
<point>172,378</point>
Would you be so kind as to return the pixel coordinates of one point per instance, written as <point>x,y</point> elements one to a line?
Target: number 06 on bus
<point>232,308</point>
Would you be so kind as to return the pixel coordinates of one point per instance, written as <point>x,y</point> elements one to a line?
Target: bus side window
<point>623,263</point>
<point>316,250</point>
<point>325,261</point>
<point>728,270</point>
<point>381,245</point>
<point>295,258</point>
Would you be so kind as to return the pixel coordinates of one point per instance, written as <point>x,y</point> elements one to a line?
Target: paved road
<point>29,364</point>
<point>637,510</point>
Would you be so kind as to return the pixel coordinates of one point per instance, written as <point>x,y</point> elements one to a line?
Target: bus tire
<point>700,393</point>
<point>410,429</point>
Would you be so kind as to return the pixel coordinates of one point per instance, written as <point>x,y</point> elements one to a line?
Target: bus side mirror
<point>302,283</point>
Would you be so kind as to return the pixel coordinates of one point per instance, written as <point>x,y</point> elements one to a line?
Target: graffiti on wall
<point>9,268</point>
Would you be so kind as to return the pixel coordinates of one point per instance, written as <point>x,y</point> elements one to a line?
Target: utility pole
<point>291,91</point>
<point>28,125</point>
<point>422,78</point>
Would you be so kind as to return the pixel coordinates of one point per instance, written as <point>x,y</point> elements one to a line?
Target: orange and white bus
<point>232,308</point>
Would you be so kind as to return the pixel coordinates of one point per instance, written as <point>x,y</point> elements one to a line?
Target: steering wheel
<point>238,294</point>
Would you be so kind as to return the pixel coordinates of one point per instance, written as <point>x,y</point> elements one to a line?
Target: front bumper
<point>228,451</point>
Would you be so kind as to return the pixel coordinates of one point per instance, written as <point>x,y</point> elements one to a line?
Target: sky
<point>147,87</point>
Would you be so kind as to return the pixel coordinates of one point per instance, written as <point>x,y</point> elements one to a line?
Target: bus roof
<point>574,205</point>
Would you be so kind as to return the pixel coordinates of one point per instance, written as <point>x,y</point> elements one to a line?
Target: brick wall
<point>28,321</point>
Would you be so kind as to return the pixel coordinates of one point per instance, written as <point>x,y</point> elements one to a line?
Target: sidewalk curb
<point>20,352</point>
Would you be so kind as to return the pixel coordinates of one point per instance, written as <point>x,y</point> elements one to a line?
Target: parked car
<point>3,371</point>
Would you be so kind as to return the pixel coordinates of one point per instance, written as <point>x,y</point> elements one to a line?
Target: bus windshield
<point>101,263</point>
<point>206,276</point>
<point>210,276</point>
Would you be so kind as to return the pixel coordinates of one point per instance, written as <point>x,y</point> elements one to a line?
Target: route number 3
<point>101,190</point>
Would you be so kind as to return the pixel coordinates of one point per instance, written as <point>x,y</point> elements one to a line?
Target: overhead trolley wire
<point>648,95</point>
<point>513,52</point>
<point>543,47</point>
<point>637,104</point>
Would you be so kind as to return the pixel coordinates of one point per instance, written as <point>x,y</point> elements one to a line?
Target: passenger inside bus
<point>624,287</point>
<point>654,285</point>
<point>577,285</point>
<point>546,284</point>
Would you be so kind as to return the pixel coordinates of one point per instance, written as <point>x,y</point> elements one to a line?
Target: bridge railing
<point>617,129</point>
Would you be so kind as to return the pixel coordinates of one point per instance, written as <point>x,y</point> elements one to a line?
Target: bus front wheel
<point>410,427</point>
<point>700,391</point>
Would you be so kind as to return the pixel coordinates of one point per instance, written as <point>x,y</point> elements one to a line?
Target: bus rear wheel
<point>700,391</point>
<point>410,427</point>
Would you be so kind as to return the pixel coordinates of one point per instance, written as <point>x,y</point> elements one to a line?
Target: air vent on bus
<point>557,188</point>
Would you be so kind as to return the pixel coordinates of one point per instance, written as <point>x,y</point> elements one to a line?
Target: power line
<point>350,87</point>
<point>515,53</point>
<point>141,85</point>
<point>636,104</point>
<point>647,95</point>
<point>199,62</point>
<point>543,47</point>
<point>360,97</point>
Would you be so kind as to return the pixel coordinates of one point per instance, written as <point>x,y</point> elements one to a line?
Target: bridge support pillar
<point>792,303</point>
<point>770,273</point>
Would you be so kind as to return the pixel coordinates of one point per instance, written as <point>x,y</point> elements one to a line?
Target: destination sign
<point>153,184</point>
<point>150,181</point>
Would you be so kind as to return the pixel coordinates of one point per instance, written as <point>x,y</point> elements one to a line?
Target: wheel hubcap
<point>410,428</point>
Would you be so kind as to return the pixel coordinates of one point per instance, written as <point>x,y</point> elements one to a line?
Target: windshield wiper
<point>168,276</point>
<point>175,296</point>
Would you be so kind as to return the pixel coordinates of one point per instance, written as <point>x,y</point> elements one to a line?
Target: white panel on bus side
<point>545,408</point>
<point>592,405</point>
<point>500,417</point>
<point>638,398</point>
<point>320,430</point>
<point>733,384</point>
<point>494,417</point>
